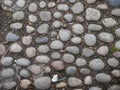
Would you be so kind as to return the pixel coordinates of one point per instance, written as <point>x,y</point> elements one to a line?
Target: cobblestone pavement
<point>59,45</point>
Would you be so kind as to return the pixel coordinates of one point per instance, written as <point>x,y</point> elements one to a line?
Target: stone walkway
<point>59,45</point>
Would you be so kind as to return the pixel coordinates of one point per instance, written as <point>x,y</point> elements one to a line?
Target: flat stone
<point>11,37</point>
<point>113,62</point>
<point>103,78</point>
<point>43,48</point>
<point>80,62</point>
<point>2,50</point>
<point>23,62</point>
<point>87,52</point>
<point>42,59</point>
<point>63,7</point>
<point>30,52</point>
<point>74,82</point>
<point>106,37</point>
<point>96,64</point>
<point>91,1</point>
<point>57,44</point>
<point>77,8</point>
<point>85,71</point>
<point>43,29</point>
<point>9,85</point>
<point>71,70</point>
<point>94,27</point>
<point>20,3</point>
<point>103,50</point>
<point>109,22</point>
<point>19,15</point>
<point>94,16</point>
<point>102,6</point>
<point>90,39</point>
<point>45,15</point>
<point>16,26</point>
<point>41,40</point>
<point>6,61</point>
<point>72,49</point>
<point>33,7</point>
<point>58,65</point>
<point>77,28</point>
<point>7,73</point>
<point>65,35</point>
<point>42,83</point>
<point>68,58</point>
<point>15,48</point>
<point>27,40</point>
<point>116,12</point>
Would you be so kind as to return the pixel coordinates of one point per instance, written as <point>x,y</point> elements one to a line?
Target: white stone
<point>20,3</point>
<point>8,2</point>
<point>63,7</point>
<point>43,49</point>
<point>88,80</point>
<point>91,1</point>
<point>42,4</point>
<point>42,59</point>
<point>56,24</point>
<point>80,62</point>
<point>77,28</point>
<point>113,62</point>
<point>15,48</point>
<point>103,50</point>
<point>30,29</point>
<point>117,32</point>
<point>117,45</point>
<point>57,15</point>
<point>102,6</point>
<point>116,73</point>
<point>33,7</point>
<point>32,18</point>
<point>16,25</point>
<point>27,40</point>
<point>30,52</point>
<point>76,40</point>
<point>19,15</point>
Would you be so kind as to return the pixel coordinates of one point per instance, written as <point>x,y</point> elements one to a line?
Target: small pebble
<point>11,37</point>
<point>113,62</point>
<point>7,73</point>
<point>15,48</point>
<point>19,15</point>
<point>80,62</point>
<point>6,61</point>
<point>30,52</point>
<point>73,49</point>
<point>16,26</point>
<point>2,50</point>
<point>116,73</point>
<point>68,58</point>
<point>24,73</point>
<point>9,85</point>
<point>27,40</point>
<point>20,3</point>
<point>33,7</point>
<point>32,18</point>
<point>71,70</point>
<point>42,59</point>
<point>88,80</point>
<point>61,85</point>
<point>23,62</point>
<point>77,28</point>
<point>58,65</point>
<point>25,83</point>
<point>43,49</point>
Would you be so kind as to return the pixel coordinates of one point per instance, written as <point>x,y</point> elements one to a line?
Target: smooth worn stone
<point>116,54</point>
<point>87,52</point>
<point>65,35</point>
<point>85,71</point>
<point>77,28</point>
<point>7,73</point>
<point>74,82</point>
<point>63,7</point>
<point>77,8</point>
<point>47,69</point>
<point>45,15</point>
<point>116,12</point>
<point>109,22</point>
<point>117,32</point>
<point>116,73</point>
<point>91,1</point>
<point>73,49</point>
<point>20,3</point>
<point>96,64</point>
<point>24,73</point>
<point>9,85</point>
<point>30,29</point>
<point>102,6</point>
<point>43,29</point>
<point>56,24</point>
<point>88,80</point>
<point>94,27</point>
<point>19,15</point>
<point>53,34</point>
<point>51,4</point>
<point>113,62</point>
<point>95,88</point>
<point>42,4</point>
<point>42,83</point>
<point>35,69</point>
<point>114,87</point>
<point>57,15</point>
<point>90,39</point>
<point>32,18</point>
<point>6,61</point>
<point>61,85</point>
<point>79,19</point>
<point>68,17</point>
<point>106,37</point>
<point>16,26</point>
<point>103,50</point>
<point>55,55</point>
<point>43,48</point>
<point>68,58</point>
<point>11,37</point>
<point>56,44</point>
<point>76,40</point>
<point>27,40</point>
<point>41,40</point>
<point>117,45</point>
<point>33,7</point>
<point>103,78</point>
<point>23,62</point>
<point>71,70</point>
<point>15,48</point>
<point>80,62</point>
<point>8,2</point>
<point>25,83</point>
<point>42,59</point>
<point>58,65</point>
<point>72,1</point>
<point>30,52</point>
<point>2,49</point>
<point>94,16</point>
